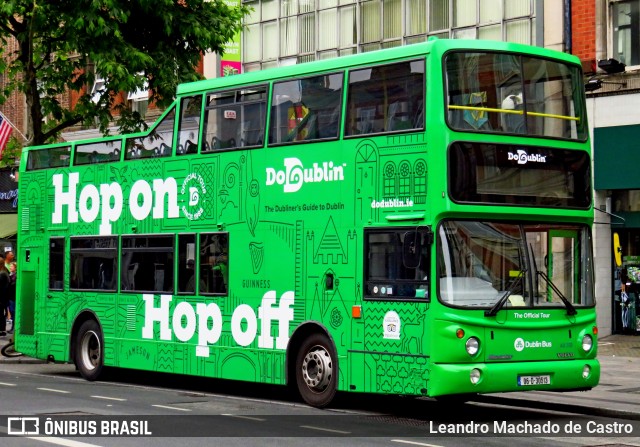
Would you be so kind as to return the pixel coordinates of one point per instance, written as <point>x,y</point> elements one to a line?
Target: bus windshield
<point>514,94</point>
<point>482,264</point>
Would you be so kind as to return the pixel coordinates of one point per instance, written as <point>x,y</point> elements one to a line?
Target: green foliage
<point>11,153</point>
<point>132,44</point>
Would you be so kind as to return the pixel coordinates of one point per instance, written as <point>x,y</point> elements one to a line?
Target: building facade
<point>293,31</point>
<point>613,85</point>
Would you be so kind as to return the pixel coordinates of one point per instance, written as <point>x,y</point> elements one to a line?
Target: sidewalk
<point>5,340</point>
<point>618,393</point>
<point>619,346</point>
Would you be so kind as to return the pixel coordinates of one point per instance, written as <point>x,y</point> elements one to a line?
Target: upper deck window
<point>189,125</point>
<point>100,152</point>
<point>235,118</point>
<point>53,157</point>
<point>157,143</point>
<point>514,94</point>
<point>386,98</point>
<point>306,109</point>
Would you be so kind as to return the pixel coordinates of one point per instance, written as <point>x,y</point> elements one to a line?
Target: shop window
<point>625,26</point>
<point>625,201</point>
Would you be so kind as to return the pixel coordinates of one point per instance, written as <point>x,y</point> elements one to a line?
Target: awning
<point>616,157</point>
<point>8,225</point>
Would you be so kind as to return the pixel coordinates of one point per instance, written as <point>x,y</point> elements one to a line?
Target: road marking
<point>119,399</point>
<point>171,408</point>
<point>7,384</point>
<point>164,390</point>
<point>61,441</point>
<point>311,427</point>
<point>54,390</point>
<point>245,417</point>
<point>402,441</point>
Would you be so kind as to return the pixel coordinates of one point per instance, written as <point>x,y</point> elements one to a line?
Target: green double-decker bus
<point>411,221</point>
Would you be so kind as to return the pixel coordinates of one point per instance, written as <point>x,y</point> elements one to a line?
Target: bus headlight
<point>587,343</point>
<point>475,375</point>
<point>472,345</point>
<point>586,372</point>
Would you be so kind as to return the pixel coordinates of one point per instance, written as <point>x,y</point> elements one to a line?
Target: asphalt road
<point>187,411</point>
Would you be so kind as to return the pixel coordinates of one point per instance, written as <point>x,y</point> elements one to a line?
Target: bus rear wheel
<point>316,371</point>
<point>89,351</point>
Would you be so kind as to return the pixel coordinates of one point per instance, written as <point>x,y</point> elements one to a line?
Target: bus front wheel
<point>316,371</point>
<point>89,350</point>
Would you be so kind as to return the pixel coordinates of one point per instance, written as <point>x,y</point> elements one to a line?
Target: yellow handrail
<point>514,112</point>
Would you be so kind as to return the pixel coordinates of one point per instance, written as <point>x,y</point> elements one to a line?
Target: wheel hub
<point>90,350</point>
<point>317,368</point>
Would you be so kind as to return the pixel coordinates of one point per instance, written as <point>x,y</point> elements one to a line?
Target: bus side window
<point>147,263</point>
<point>385,98</point>
<point>189,125</point>
<point>157,143</point>
<point>100,152</point>
<point>186,263</point>
<point>93,263</point>
<point>214,263</point>
<point>306,109</point>
<point>234,119</point>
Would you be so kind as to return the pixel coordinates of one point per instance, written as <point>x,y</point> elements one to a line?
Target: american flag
<point>5,133</point>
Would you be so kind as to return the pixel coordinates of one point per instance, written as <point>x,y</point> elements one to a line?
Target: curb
<point>18,359</point>
<point>558,405</point>
<point>21,359</point>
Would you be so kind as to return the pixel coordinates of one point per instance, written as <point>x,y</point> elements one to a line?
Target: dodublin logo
<point>523,158</point>
<point>193,189</point>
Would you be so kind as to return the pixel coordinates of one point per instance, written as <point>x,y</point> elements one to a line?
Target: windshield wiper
<point>503,299</point>
<point>570,309</point>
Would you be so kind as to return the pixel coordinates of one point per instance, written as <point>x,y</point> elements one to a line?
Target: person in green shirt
<point>221,265</point>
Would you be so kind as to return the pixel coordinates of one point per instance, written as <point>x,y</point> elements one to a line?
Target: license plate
<point>534,380</point>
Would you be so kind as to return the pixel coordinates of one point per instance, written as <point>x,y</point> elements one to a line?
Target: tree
<point>132,45</point>
<point>11,153</point>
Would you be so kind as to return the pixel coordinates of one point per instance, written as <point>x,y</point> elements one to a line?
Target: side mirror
<point>411,249</point>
